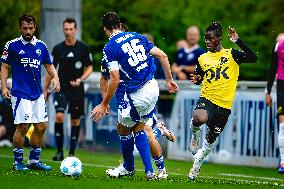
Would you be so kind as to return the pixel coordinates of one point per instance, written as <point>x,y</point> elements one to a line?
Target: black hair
<point>216,28</point>
<point>123,27</point>
<point>27,18</point>
<point>111,21</point>
<point>70,21</point>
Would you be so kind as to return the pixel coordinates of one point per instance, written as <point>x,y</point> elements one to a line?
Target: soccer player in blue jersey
<point>25,55</point>
<point>153,135</point>
<point>128,59</point>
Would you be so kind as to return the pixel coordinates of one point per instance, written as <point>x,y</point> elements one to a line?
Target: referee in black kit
<point>73,59</point>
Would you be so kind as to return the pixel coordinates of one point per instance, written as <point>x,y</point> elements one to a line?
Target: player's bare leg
<point>37,134</point>
<point>19,135</point>
<point>18,142</point>
<point>35,148</point>
<point>156,152</point>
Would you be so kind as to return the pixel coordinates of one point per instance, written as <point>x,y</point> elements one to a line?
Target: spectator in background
<point>187,58</point>
<point>159,74</point>
<point>277,69</point>
<point>181,44</point>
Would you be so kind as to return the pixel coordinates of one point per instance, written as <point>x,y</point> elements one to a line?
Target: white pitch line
<point>211,177</point>
<point>249,176</point>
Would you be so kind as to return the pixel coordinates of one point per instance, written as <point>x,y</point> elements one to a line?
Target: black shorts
<point>217,117</point>
<point>75,100</point>
<point>280,97</point>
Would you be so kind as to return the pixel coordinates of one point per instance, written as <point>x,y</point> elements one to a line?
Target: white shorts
<point>27,111</point>
<point>138,106</point>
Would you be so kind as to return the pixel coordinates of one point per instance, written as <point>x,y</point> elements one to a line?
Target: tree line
<point>257,23</point>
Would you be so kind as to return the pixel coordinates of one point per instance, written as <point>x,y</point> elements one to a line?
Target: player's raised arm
<point>172,86</point>
<point>247,56</point>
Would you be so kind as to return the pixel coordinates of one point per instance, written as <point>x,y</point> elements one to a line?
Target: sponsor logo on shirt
<point>31,62</point>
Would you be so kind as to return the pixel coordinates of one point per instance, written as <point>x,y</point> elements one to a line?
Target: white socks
<point>195,130</point>
<point>281,142</point>
<point>204,151</point>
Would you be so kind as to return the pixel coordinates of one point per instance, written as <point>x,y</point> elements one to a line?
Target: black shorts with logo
<point>74,98</point>
<point>217,117</point>
<point>280,97</point>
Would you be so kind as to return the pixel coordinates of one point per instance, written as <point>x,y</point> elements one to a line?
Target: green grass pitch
<point>212,176</point>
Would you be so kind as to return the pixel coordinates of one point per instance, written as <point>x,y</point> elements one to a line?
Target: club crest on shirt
<point>223,60</point>
<point>38,52</point>
<point>190,57</point>
<point>4,55</point>
<point>78,65</point>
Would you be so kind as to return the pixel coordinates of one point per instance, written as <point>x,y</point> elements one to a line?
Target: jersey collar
<point>189,50</point>
<point>33,41</point>
<point>114,34</point>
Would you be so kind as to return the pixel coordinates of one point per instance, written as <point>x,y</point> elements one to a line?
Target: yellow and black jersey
<point>220,77</point>
<point>220,71</point>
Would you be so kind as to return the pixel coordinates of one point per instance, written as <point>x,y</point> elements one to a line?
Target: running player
<point>25,55</point>
<point>277,68</point>
<point>159,128</point>
<point>127,56</point>
<point>73,59</point>
<point>219,71</point>
<point>153,135</point>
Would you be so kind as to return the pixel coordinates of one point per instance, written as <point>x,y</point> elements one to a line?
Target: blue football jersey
<point>131,51</point>
<point>25,59</point>
<point>188,57</point>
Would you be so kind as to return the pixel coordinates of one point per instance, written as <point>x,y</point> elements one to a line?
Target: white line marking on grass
<point>178,174</point>
<point>249,176</point>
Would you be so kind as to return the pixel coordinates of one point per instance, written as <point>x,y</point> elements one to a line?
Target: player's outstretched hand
<point>172,86</point>
<point>233,36</point>
<point>194,78</point>
<point>98,112</point>
<point>56,85</point>
<point>268,100</point>
<point>6,93</point>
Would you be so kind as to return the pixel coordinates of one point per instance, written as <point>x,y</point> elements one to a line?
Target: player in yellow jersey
<point>218,70</point>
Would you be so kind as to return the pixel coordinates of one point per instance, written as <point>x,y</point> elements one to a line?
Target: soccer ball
<point>71,166</point>
<point>224,156</point>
